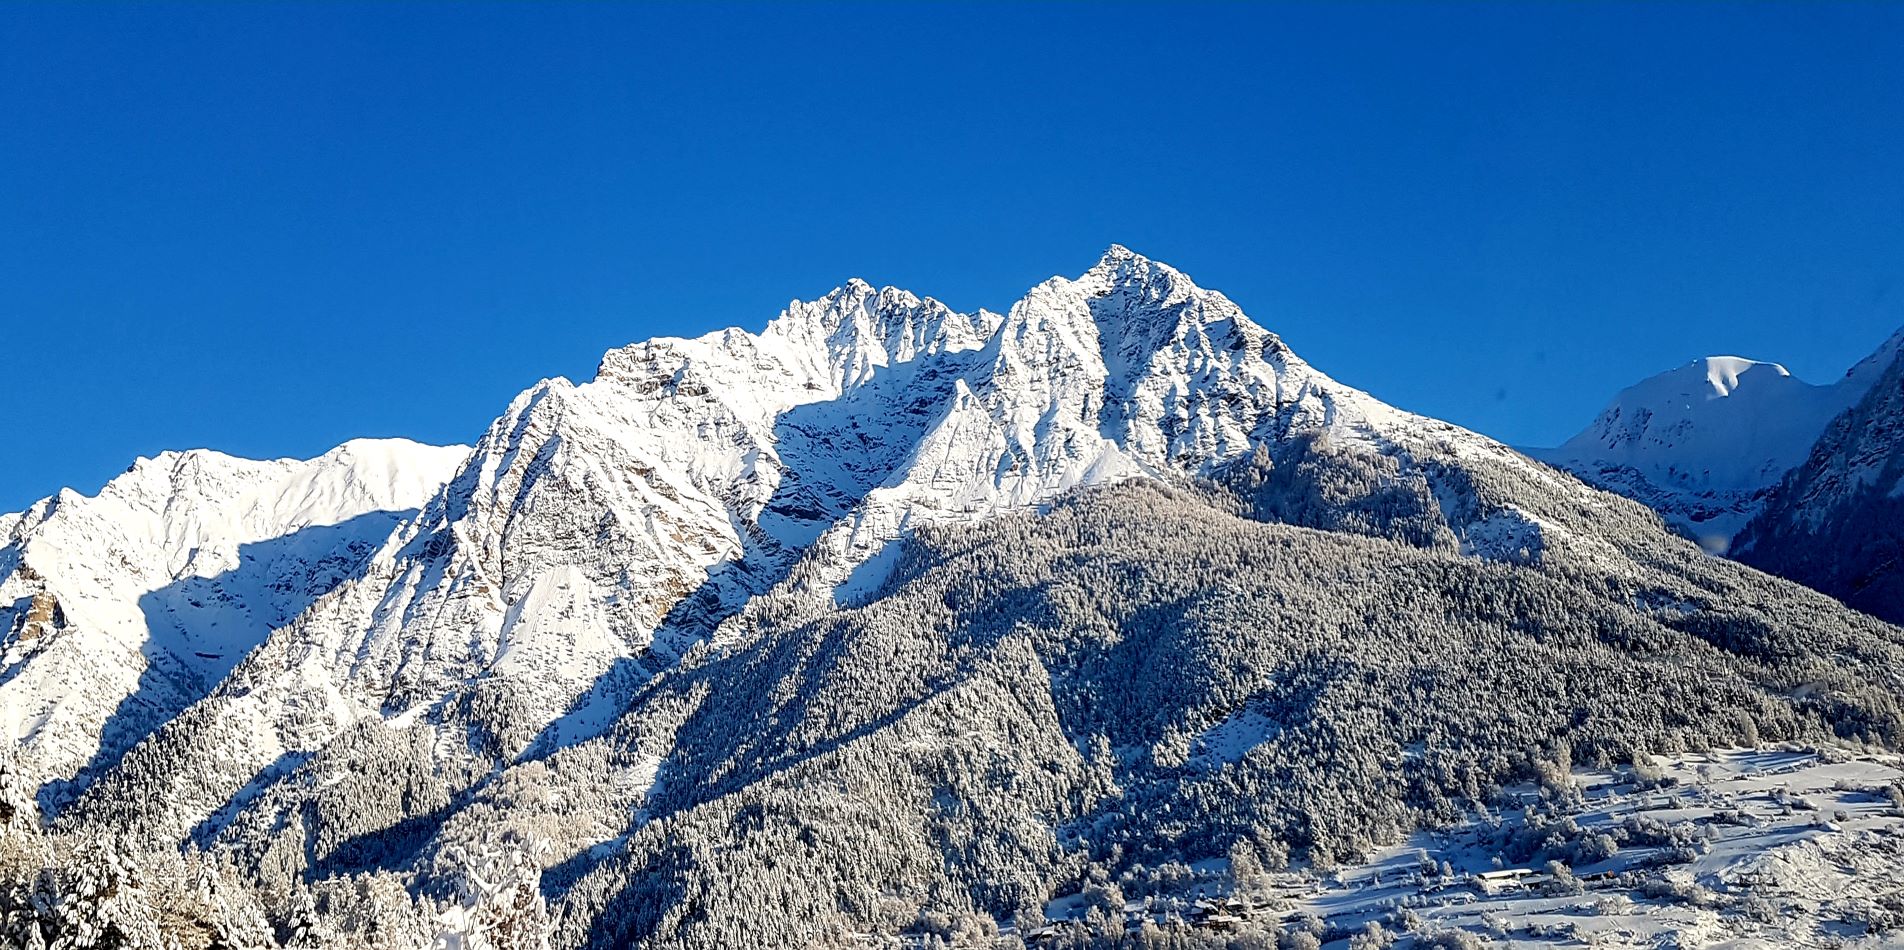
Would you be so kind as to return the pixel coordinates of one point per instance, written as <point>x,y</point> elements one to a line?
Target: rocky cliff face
<point>42,618</point>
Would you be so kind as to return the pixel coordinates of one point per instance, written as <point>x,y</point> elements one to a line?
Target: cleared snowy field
<point>1731,849</point>
<point>1787,849</point>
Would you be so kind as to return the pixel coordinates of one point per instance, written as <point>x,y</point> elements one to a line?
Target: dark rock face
<point>42,615</point>
<point>1836,523</point>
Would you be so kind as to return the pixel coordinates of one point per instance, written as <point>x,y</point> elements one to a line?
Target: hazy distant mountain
<point>887,621</point>
<point>1793,478</point>
<point>1704,444</point>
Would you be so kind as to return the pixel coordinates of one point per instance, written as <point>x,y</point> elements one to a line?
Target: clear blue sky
<point>266,229</point>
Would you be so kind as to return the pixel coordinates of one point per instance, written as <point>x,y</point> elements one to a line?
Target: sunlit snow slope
<point>120,609</point>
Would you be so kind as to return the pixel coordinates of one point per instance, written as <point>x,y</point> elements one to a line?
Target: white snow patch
<point>1228,740</point>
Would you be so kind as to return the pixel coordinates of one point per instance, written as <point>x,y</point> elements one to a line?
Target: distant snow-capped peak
<point>1722,422</point>
<point>1703,443</point>
<point>1723,372</point>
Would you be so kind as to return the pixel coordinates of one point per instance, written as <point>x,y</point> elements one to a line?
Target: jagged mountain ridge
<point>1704,444</point>
<point>597,532</point>
<point>120,609</point>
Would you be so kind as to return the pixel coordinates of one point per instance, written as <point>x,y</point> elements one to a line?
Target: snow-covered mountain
<point>120,609</point>
<point>1836,521</point>
<point>1705,443</point>
<point>598,532</point>
<point>834,587</point>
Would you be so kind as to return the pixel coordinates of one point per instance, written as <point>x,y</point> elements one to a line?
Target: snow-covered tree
<point>499,904</point>
<point>95,902</point>
<point>17,810</point>
<point>302,926</point>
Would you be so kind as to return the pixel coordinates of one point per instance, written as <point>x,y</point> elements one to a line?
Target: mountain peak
<point>854,329</point>
<point>1145,282</point>
<point>1867,370</point>
<point>1724,374</point>
<point>1121,264</point>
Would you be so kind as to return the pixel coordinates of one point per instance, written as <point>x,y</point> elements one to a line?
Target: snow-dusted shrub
<point>1678,890</point>
<point>1300,940</point>
<point>1451,939</point>
<point>499,903</point>
<point>1373,937</point>
<point>1647,774</point>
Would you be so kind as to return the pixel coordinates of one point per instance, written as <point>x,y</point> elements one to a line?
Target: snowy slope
<point>1704,443</point>
<point>599,531</point>
<point>121,608</point>
<point>1788,848</point>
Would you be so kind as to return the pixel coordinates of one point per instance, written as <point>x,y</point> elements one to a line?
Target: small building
<point>1507,881</point>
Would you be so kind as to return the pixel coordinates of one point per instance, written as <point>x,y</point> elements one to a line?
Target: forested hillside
<point>1139,680</point>
<point>1100,696</point>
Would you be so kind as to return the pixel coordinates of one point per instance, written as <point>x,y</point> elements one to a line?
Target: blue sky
<point>267,229</point>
